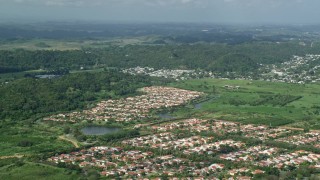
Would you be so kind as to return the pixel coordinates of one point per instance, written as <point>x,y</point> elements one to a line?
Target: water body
<point>95,130</point>
<point>199,105</point>
<point>166,116</point>
<point>47,76</point>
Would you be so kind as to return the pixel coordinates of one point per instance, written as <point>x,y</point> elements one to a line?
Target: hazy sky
<point>216,11</point>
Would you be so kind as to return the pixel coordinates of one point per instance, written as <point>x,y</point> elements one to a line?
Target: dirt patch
<point>69,139</point>
<point>13,156</point>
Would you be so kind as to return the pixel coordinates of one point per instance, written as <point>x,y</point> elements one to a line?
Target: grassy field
<point>31,140</point>
<point>6,77</point>
<point>43,44</point>
<point>259,102</point>
<point>63,45</point>
<point>29,170</point>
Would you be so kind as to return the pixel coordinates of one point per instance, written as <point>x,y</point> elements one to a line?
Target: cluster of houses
<point>189,124</point>
<point>210,169</point>
<point>177,74</point>
<point>147,141</point>
<point>199,125</point>
<point>288,160</point>
<point>241,173</point>
<point>230,87</point>
<point>297,70</point>
<point>115,162</point>
<point>264,132</point>
<point>166,141</point>
<point>148,161</point>
<point>261,132</point>
<point>131,108</point>
<point>250,153</point>
<point>311,138</point>
<point>214,147</point>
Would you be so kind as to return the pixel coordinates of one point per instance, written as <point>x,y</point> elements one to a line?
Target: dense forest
<point>43,59</point>
<point>242,58</point>
<point>29,96</point>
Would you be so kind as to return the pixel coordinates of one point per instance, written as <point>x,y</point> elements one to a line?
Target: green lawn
<point>32,171</point>
<point>74,44</point>
<point>259,101</point>
<point>40,139</point>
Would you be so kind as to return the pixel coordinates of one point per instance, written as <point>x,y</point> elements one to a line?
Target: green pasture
<point>30,140</point>
<point>74,44</point>
<point>28,170</point>
<point>258,101</point>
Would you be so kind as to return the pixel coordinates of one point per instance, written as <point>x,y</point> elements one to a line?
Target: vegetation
<point>36,171</point>
<point>29,139</point>
<point>257,102</point>
<point>242,58</point>
<point>26,97</point>
<point>87,63</point>
<point>124,134</point>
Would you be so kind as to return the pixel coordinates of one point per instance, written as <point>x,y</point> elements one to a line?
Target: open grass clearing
<point>27,171</point>
<point>258,102</point>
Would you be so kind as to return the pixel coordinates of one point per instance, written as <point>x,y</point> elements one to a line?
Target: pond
<point>200,104</point>
<point>166,116</point>
<point>96,130</point>
<point>197,106</point>
<point>47,76</point>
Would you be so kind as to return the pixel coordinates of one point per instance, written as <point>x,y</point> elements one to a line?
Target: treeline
<point>12,69</point>
<point>231,38</point>
<point>55,72</point>
<point>274,100</point>
<point>242,58</point>
<point>25,97</point>
<point>114,137</point>
<point>30,60</point>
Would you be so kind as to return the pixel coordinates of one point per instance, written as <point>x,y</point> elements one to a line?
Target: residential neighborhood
<point>131,108</point>
<point>205,152</point>
<point>176,74</point>
<point>310,138</point>
<point>189,147</point>
<point>160,90</point>
<point>299,69</point>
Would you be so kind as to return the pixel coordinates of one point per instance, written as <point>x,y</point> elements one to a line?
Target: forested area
<point>22,59</point>
<point>274,100</point>
<point>29,96</point>
<point>241,58</point>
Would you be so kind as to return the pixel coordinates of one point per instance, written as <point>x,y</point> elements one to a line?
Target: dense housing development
<point>298,70</point>
<point>176,74</point>
<point>205,152</point>
<point>132,108</point>
<point>167,101</point>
